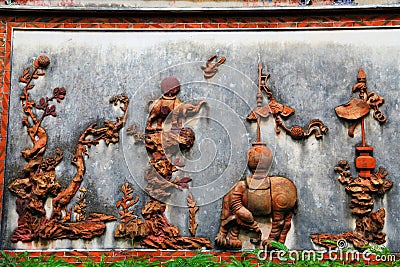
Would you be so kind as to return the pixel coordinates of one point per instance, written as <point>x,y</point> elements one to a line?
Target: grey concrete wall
<point>311,71</point>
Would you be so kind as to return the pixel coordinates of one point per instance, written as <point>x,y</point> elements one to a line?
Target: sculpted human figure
<point>169,104</point>
<point>163,144</point>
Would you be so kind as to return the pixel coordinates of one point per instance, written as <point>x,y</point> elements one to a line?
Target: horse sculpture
<point>258,195</point>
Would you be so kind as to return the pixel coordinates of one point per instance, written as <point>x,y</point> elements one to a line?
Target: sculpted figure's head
<point>170,86</point>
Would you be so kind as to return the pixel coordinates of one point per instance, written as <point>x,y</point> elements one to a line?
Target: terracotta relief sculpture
<point>259,194</point>
<point>356,110</point>
<point>192,215</point>
<point>170,105</point>
<point>155,231</point>
<point>163,235</point>
<point>37,181</point>
<point>211,67</point>
<point>131,225</point>
<point>162,145</point>
<point>369,224</point>
<point>278,110</point>
<point>80,206</point>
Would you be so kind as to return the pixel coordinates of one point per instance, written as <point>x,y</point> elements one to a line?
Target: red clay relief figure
<point>170,105</point>
<point>162,145</point>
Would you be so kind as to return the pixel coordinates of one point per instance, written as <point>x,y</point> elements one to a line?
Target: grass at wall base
<point>248,259</point>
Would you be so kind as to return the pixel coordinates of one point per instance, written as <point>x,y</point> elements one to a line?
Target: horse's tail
<point>295,207</point>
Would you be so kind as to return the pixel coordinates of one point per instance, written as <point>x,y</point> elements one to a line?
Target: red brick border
<point>164,21</point>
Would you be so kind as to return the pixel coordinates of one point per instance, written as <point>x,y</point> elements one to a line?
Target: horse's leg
<point>221,239</point>
<point>233,238</point>
<point>278,223</point>
<point>255,228</point>
<point>286,227</point>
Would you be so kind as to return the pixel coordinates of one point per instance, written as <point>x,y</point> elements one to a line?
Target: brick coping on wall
<point>318,18</point>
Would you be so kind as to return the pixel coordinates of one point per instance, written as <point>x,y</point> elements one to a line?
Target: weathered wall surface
<point>311,71</point>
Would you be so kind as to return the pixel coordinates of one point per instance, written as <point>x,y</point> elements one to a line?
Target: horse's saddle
<point>259,195</point>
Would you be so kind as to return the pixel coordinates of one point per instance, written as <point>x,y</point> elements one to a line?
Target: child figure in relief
<point>169,104</point>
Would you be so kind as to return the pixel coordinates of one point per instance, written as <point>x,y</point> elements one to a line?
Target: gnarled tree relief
<point>37,181</point>
<point>363,188</point>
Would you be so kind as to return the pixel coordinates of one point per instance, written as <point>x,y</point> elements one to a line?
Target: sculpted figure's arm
<point>185,110</point>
